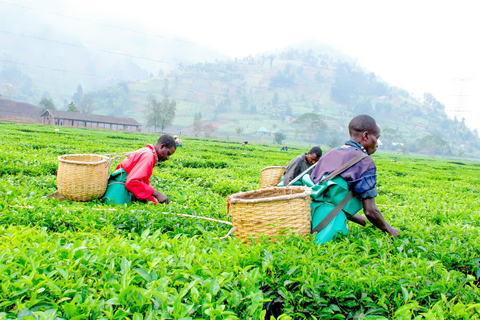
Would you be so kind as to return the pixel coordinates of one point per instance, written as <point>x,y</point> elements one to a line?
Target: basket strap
<point>117,156</point>
<point>333,213</point>
<point>301,174</point>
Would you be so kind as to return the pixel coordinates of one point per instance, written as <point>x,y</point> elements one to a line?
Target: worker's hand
<point>161,197</point>
<point>393,232</point>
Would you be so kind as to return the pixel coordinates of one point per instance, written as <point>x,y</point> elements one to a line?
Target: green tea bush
<point>70,260</point>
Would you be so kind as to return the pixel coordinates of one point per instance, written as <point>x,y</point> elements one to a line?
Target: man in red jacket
<point>139,169</point>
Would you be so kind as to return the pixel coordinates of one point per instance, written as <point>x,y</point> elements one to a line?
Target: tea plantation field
<point>67,260</point>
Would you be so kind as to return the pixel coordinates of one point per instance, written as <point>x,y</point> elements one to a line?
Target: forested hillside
<point>240,96</point>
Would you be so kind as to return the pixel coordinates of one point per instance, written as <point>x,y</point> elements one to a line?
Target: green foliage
<point>432,143</point>
<point>72,107</point>
<point>334,141</point>
<point>283,79</point>
<point>209,129</point>
<point>352,85</point>
<point>46,103</point>
<point>160,114</point>
<point>311,124</point>
<point>197,127</point>
<point>78,95</point>
<point>390,136</point>
<point>279,137</point>
<point>86,106</point>
<point>239,130</point>
<point>91,260</point>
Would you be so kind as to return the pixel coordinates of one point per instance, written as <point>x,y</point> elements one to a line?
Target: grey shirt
<point>295,168</point>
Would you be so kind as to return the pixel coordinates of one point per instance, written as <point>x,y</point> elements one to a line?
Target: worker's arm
<point>376,218</point>
<point>358,219</point>
<point>138,177</point>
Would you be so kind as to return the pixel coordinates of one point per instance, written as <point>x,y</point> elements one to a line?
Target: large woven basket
<point>82,177</point>
<point>269,211</point>
<point>271,176</point>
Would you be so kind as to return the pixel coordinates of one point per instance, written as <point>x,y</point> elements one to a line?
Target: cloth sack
<point>116,191</point>
<point>326,196</point>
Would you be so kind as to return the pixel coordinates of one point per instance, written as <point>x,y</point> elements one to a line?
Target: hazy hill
<point>273,90</point>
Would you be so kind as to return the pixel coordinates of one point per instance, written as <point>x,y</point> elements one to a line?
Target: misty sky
<point>422,46</point>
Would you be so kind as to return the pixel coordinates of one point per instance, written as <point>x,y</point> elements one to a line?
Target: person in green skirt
<point>331,194</point>
<point>131,179</point>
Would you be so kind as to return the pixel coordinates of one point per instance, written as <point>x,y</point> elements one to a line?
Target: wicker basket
<point>271,176</point>
<point>81,177</point>
<point>268,211</point>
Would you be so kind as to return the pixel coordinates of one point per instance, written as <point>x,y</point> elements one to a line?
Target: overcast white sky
<point>422,46</point>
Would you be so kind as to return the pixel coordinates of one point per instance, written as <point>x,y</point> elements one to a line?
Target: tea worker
<point>300,164</point>
<point>178,142</point>
<point>359,178</point>
<point>131,180</point>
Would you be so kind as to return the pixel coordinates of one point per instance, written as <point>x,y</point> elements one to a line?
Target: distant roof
<point>277,131</point>
<point>11,109</point>
<point>77,116</point>
<point>263,129</point>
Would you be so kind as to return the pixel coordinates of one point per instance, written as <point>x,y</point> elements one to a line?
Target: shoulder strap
<point>344,202</point>
<point>346,166</point>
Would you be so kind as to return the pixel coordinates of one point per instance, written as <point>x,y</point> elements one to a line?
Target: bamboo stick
<point>21,207</point>
<point>113,209</point>
<point>198,217</point>
<point>390,205</point>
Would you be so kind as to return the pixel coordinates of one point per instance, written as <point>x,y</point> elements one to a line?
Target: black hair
<point>317,151</point>
<point>168,141</point>
<point>361,124</point>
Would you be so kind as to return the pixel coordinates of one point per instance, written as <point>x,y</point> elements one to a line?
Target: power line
<point>123,29</point>
<point>132,56</point>
<point>85,47</point>
<point>96,23</point>
<point>54,69</point>
<point>104,77</point>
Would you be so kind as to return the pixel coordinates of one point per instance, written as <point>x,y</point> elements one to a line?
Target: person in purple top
<point>361,177</point>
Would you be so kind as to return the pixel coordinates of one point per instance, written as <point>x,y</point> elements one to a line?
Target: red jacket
<point>139,168</point>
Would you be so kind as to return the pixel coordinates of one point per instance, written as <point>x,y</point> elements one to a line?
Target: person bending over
<point>131,180</point>
<point>300,164</point>
<point>360,178</point>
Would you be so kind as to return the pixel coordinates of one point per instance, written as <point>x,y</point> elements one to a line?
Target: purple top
<point>361,177</point>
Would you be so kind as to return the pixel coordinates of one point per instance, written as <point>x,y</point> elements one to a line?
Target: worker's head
<point>313,155</point>
<point>364,130</point>
<point>165,147</point>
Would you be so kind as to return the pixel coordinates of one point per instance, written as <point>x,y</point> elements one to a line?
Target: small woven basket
<point>269,211</point>
<point>271,176</point>
<point>81,177</point>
